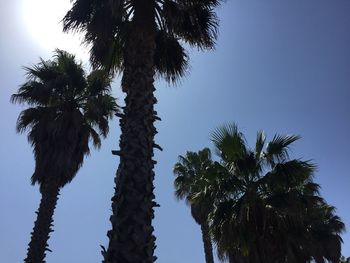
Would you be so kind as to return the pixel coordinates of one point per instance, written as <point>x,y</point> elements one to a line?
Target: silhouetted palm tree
<point>192,171</point>
<point>140,38</point>
<point>271,210</point>
<point>66,107</point>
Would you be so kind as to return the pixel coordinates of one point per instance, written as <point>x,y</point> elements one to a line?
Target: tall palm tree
<point>65,109</point>
<point>271,210</point>
<point>192,172</point>
<point>140,38</point>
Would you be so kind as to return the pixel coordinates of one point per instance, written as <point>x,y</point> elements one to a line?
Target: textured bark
<point>208,248</point>
<point>131,238</point>
<point>42,227</point>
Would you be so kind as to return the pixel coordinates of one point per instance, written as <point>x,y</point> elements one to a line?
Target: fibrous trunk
<point>208,248</point>
<point>42,227</point>
<point>131,239</point>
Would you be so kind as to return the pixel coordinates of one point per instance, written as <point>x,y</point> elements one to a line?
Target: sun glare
<point>42,19</point>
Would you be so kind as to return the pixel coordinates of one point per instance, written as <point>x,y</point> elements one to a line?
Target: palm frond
<point>205,155</point>
<point>229,142</point>
<point>170,58</point>
<point>290,174</point>
<point>107,52</point>
<point>43,71</point>
<point>31,116</point>
<point>196,23</point>
<point>182,186</point>
<point>79,15</point>
<point>260,143</point>
<point>33,93</point>
<point>104,24</point>
<point>71,70</point>
<point>206,3</point>
<point>277,149</point>
<point>99,82</point>
<point>95,138</point>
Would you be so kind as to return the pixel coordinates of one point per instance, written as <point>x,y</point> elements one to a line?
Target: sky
<point>281,66</point>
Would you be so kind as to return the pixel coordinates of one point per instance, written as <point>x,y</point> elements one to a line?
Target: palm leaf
<point>170,58</point>
<point>260,143</point>
<point>277,149</point>
<point>229,142</point>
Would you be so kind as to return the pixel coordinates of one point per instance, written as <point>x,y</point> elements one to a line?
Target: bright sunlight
<point>43,21</point>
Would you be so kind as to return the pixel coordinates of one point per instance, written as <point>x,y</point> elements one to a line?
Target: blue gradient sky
<point>280,65</point>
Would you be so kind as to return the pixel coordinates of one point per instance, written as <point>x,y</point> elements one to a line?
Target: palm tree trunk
<point>208,248</point>
<point>131,238</point>
<point>42,227</point>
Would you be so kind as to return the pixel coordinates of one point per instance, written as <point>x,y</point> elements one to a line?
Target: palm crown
<point>67,109</point>
<point>107,24</point>
<point>271,210</point>
<point>191,174</point>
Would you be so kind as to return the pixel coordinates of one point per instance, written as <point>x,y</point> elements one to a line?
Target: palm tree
<point>140,38</point>
<point>192,173</point>
<point>271,210</point>
<point>65,108</point>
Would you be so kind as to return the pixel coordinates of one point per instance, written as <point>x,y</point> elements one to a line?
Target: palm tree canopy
<point>67,109</point>
<point>192,173</point>
<point>272,210</point>
<point>107,24</point>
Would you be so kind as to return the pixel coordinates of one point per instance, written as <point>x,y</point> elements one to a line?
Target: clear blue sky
<point>280,65</point>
